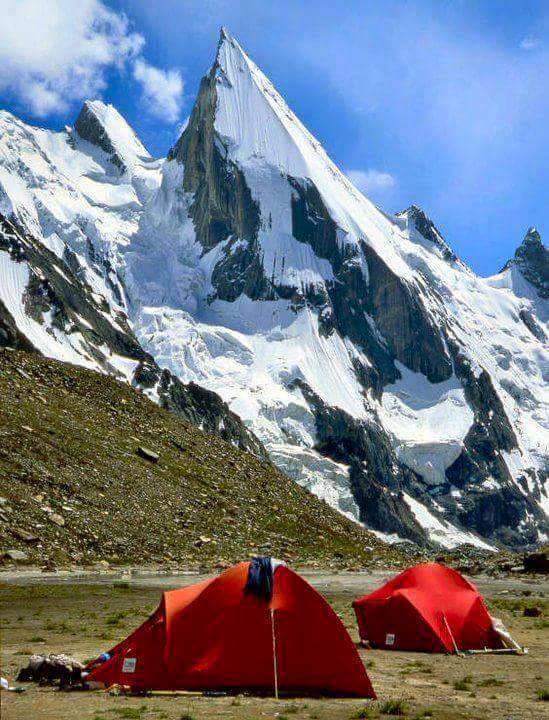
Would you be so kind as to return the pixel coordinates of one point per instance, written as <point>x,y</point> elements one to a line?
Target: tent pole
<point>453,640</point>
<point>275,664</point>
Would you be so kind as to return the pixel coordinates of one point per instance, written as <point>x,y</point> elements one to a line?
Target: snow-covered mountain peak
<point>415,219</point>
<point>102,125</point>
<point>377,369</point>
<point>532,237</point>
<point>531,259</point>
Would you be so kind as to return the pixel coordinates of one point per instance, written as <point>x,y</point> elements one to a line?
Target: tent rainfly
<point>430,608</point>
<point>257,627</point>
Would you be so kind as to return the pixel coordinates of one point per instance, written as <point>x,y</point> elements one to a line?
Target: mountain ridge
<point>375,367</point>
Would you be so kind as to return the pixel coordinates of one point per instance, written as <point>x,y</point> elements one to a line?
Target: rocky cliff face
<point>532,260</point>
<point>56,308</point>
<point>377,370</point>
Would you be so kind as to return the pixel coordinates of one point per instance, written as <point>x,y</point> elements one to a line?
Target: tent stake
<point>275,665</point>
<point>453,640</point>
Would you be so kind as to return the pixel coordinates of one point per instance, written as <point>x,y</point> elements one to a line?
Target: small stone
<point>57,519</point>
<point>202,540</point>
<point>27,428</point>
<point>147,454</point>
<point>15,555</point>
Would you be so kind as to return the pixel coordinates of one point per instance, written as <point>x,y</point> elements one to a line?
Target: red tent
<point>215,636</point>
<point>430,608</point>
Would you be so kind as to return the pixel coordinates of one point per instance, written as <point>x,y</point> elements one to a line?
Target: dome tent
<point>429,608</point>
<point>219,635</point>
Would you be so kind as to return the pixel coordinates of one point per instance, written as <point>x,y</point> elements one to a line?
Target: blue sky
<point>440,103</point>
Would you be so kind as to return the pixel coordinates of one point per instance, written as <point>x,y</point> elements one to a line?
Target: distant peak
<point>532,237</point>
<point>532,259</point>
<point>228,45</point>
<point>418,220</point>
<point>97,106</point>
<point>224,34</point>
<point>101,124</point>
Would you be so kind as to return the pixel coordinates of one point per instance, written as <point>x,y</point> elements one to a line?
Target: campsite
<point>83,614</point>
<point>274,360</point>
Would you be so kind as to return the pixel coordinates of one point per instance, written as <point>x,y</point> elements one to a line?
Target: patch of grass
<point>61,628</point>
<point>491,682</point>
<point>186,716</point>
<point>365,713</point>
<point>116,618</point>
<point>291,709</point>
<point>517,606</point>
<point>463,684</point>
<point>129,713</point>
<point>121,585</point>
<point>37,639</point>
<point>24,651</point>
<point>394,707</point>
<point>543,695</point>
<point>425,714</point>
<point>417,666</point>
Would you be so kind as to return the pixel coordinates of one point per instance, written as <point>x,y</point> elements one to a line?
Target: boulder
<point>18,555</point>
<point>147,454</point>
<point>537,562</point>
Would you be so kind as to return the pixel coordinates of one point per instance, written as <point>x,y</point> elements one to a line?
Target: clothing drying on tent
<point>430,608</point>
<point>258,627</point>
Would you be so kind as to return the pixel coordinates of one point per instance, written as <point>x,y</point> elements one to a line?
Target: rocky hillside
<point>91,469</point>
<point>375,367</point>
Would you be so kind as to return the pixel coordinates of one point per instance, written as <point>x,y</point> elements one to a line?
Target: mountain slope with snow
<point>377,369</point>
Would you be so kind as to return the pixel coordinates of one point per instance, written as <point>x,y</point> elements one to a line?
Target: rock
<point>532,612</point>
<point>202,540</point>
<point>16,555</point>
<point>24,535</point>
<point>147,454</point>
<point>57,519</point>
<point>536,562</point>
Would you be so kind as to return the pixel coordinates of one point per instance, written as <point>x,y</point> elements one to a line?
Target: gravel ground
<point>85,613</point>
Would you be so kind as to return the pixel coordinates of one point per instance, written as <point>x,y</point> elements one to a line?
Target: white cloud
<point>56,53</point>
<point>373,183</point>
<point>52,54</point>
<point>162,90</point>
<point>530,43</point>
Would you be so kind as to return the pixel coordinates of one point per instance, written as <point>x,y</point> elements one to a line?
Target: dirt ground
<point>83,615</point>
